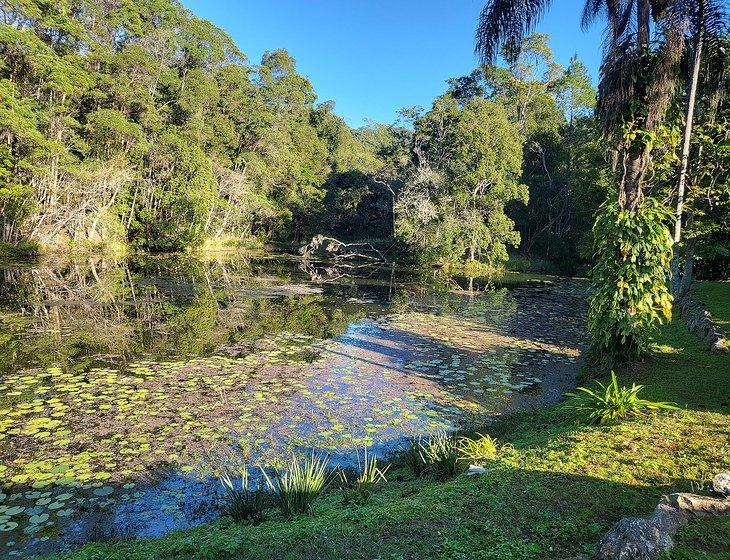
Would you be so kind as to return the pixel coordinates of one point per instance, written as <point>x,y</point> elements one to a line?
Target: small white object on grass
<point>475,469</point>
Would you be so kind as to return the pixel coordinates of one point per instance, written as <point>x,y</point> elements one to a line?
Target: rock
<point>721,483</point>
<point>700,322</point>
<point>667,518</point>
<point>693,505</point>
<point>634,538</point>
<point>475,469</point>
<point>640,538</point>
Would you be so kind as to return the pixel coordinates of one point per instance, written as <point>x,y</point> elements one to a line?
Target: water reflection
<point>126,385</point>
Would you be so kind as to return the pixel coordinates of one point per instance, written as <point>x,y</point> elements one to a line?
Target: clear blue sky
<point>373,57</point>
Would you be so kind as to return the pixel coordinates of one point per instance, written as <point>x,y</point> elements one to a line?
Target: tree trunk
<point>630,191</point>
<point>685,151</point>
<point>642,24</point>
<point>686,282</point>
<point>635,156</point>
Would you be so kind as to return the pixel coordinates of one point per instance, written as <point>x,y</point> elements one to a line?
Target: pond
<point>127,385</point>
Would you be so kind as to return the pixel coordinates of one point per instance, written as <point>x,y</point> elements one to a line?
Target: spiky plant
<point>369,475</point>
<point>440,454</point>
<point>242,502</point>
<point>412,458</point>
<point>481,448</point>
<point>609,402</point>
<point>296,489</point>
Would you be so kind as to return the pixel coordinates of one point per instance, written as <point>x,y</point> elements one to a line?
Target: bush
<point>242,502</point>
<point>629,292</point>
<point>609,402</point>
<point>370,474</point>
<point>299,486</point>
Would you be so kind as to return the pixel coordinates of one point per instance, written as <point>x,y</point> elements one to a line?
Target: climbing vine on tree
<point>629,288</point>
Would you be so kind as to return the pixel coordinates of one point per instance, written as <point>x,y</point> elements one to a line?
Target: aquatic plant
<point>295,489</point>
<point>370,474</point>
<point>481,448</point>
<point>242,502</point>
<point>440,454</point>
<point>609,402</point>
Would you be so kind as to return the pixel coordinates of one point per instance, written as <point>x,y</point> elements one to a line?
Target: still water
<point>126,386</point>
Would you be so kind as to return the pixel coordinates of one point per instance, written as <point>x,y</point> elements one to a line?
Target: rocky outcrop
<point>700,323</point>
<point>645,538</point>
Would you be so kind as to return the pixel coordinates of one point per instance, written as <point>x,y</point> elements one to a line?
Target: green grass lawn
<point>551,494</point>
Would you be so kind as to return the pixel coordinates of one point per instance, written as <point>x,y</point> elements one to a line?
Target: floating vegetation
<point>98,422</point>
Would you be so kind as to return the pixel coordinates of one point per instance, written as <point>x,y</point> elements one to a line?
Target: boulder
<point>721,483</point>
<point>634,538</point>
<point>645,538</point>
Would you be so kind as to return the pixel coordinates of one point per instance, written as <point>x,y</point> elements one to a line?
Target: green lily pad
<point>38,519</point>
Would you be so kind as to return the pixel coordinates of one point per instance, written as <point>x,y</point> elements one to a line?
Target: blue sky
<point>373,57</point>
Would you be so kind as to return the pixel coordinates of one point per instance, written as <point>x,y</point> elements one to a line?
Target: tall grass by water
<point>295,489</point>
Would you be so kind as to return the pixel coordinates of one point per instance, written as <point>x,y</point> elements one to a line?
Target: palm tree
<point>624,73</point>
<point>705,23</point>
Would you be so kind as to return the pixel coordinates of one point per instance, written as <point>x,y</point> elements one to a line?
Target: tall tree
<point>625,74</point>
<point>466,168</point>
<point>701,25</point>
<point>629,294</point>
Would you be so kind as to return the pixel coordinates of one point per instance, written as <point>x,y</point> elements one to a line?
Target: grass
<point>481,447</point>
<point>553,489</point>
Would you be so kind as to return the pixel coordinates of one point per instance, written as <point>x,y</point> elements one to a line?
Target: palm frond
<point>503,24</point>
<point>621,72</point>
<point>591,11</point>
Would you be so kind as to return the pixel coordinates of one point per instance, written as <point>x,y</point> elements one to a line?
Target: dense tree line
<point>138,124</point>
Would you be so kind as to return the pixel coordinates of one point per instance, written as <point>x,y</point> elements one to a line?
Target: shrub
<point>440,454</point>
<point>370,474</point>
<point>298,487</point>
<point>242,502</point>
<point>481,448</point>
<point>610,402</point>
<point>629,293</point>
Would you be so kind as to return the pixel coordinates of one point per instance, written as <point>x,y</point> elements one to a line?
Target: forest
<point>137,125</point>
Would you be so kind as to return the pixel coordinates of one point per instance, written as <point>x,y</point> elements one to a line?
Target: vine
<point>629,291</point>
